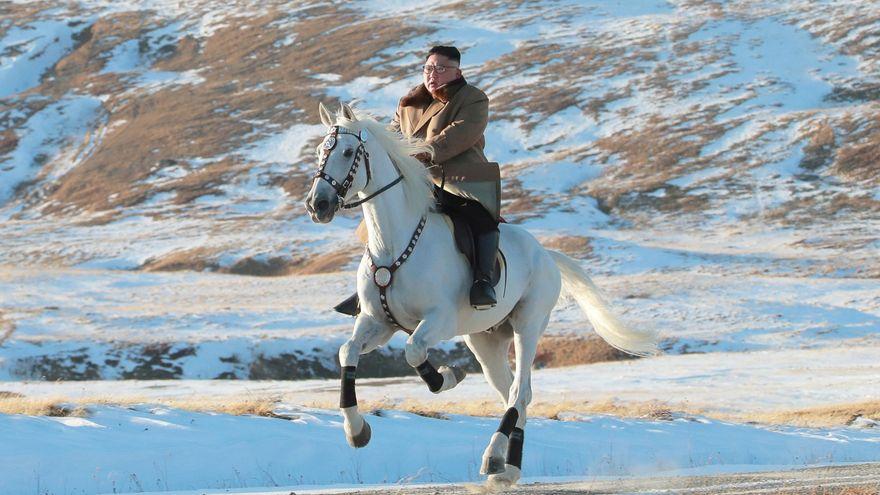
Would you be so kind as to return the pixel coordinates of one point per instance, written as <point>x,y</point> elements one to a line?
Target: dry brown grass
<point>196,259</point>
<point>819,149</point>
<point>820,417</point>
<point>7,328</point>
<point>563,410</point>
<point>201,259</point>
<point>651,155</point>
<point>249,77</point>
<point>332,261</point>
<point>12,403</point>
<point>516,200</point>
<point>572,245</point>
<point>555,92</point>
<point>555,351</point>
<point>804,211</point>
<point>835,415</point>
<point>8,142</point>
<point>836,490</point>
<point>858,159</point>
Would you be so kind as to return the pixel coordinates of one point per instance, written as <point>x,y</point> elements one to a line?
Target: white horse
<point>412,277</point>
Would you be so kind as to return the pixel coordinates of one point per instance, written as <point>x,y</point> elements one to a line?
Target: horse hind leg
<point>491,350</point>
<point>528,329</point>
<point>367,335</point>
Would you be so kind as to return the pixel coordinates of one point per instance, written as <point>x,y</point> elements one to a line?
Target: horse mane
<point>418,187</point>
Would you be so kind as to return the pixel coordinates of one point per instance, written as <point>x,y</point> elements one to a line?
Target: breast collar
<point>383,276</point>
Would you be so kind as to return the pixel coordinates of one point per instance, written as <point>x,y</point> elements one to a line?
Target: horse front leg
<point>366,336</point>
<point>437,326</point>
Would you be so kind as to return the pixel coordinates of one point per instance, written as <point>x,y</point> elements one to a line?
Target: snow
<point>46,137</point>
<point>287,147</point>
<point>30,51</point>
<point>179,450</point>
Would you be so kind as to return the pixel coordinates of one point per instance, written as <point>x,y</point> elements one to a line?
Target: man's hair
<point>449,52</point>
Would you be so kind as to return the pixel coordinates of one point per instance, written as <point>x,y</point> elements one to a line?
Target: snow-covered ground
<point>738,384</point>
<point>153,448</point>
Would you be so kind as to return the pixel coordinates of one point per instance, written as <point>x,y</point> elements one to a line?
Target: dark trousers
<point>477,217</point>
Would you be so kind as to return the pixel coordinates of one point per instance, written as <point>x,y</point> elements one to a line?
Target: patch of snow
<point>557,177</point>
<point>30,51</point>
<point>286,147</point>
<point>45,138</point>
<point>73,422</point>
<point>125,57</point>
<point>327,77</point>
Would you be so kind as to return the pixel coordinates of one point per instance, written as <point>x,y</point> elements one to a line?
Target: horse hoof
<point>506,479</point>
<point>458,373</point>
<point>362,438</point>
<point>492,465</point>
<point>452,376</point>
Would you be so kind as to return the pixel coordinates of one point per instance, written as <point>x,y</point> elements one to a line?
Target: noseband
<point>341,189</point>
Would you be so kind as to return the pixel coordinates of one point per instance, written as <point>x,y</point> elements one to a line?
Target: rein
<point>341,189</point>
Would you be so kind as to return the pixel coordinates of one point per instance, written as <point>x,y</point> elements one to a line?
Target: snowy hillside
<point>654,140</point>
<point>146,134</point>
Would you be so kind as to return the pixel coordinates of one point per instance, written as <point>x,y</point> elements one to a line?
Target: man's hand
<point>423,157</point>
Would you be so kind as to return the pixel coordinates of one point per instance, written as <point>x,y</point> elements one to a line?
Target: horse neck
<point>389,218</point>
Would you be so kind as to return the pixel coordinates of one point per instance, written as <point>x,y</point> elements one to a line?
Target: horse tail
<point>578,285</point>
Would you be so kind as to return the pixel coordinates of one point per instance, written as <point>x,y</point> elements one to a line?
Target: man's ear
<point>326,119</point>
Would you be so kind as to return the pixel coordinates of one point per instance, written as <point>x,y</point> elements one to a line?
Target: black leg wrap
<point>514,448</point>
<point>430,375</point>
<point>508,421</point>
<point>347,397</point>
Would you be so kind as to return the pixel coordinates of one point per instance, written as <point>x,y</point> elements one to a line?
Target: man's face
<point>434,80</point>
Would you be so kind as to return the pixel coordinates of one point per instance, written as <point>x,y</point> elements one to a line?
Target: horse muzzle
<point>321,207</point>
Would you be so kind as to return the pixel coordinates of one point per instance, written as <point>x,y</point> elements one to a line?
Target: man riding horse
<point>362,163</point>
<point>451,115</point>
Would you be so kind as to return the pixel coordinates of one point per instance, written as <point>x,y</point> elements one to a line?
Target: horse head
<point>340,175</point>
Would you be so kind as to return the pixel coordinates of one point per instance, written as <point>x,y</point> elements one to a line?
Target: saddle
<point>464,242</point>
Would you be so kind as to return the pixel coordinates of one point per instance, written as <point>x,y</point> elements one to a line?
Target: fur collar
<point>421,97</point>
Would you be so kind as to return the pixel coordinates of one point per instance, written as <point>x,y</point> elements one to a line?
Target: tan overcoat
<point>454,124</point>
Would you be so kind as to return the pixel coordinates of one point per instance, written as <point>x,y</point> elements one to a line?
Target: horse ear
<point>347,112</point>
<point>326,119</point>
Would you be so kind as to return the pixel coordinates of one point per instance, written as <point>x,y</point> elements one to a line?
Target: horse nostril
<point>322,205</point>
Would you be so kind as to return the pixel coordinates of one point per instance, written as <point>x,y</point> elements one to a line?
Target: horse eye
<point>347,153</point>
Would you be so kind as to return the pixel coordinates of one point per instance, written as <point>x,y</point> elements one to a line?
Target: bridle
<point>342,188</point>
<point>382,275</point>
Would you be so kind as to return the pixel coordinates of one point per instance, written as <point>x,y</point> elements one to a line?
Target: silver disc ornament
<point>382,276</point>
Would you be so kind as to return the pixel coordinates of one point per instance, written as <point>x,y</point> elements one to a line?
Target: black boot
<point>351,306</point>
<point>482,292</point>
